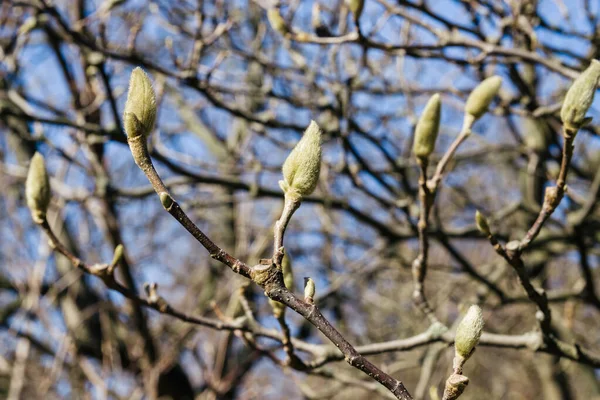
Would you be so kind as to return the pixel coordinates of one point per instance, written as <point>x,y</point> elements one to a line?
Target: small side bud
<point>427,129</point>
<point>309,290</point>
<point>302,167</point>
<point>118,255</point>
<point>481,97</point>
<point>482,223</point>
<point>288,278</point>
<point>277,22</point>
<point>166,200</point>
<point>140,108</point>
<point>356,7</point>
<point>37,189</point>
<point>579,98</point>
<point>468,333</point>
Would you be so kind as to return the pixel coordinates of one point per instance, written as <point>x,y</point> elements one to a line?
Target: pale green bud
<point>535,135</point>
<point>468,332</point>
<point>427,128</point>
<point>482,223</point>
<point>301,168</point>
<point>288,278</point>
<point>140,108</point>
<point>309,290</point>
<point>356,7</point>
<point>37,189</point>
<point>481,97</point>
<point>579,98</point>
<point>277,22</point>
<point>117,255</point>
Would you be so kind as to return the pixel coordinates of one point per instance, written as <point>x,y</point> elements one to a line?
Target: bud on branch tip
<point>468,332</point>
<point>37,188</point>
<point>482,223</point>
<point>356,7</point>
<point>140,108</point>
<point>427,128</point>
<point>579,98</point>
<point>309,290</point>
<point>277,22</point>
<point>481,97</point>
<point>302,167</point>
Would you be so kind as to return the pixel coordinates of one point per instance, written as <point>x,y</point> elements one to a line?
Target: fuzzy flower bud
<point>37,189</point>
<point>468,333</point>
<point>140,108</point>
<point>481,97</point>
<point>482,223</point>
<point>301,168</point>
<point>427,128</point>
<point>579,98</point>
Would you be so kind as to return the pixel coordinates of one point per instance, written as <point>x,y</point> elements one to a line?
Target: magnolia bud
<point>427,128</point>
<point>579,98</point>
<point>482,223</point>
<point>277,22</point>
<point>309,290</point>
<point>356,7</point>
<point>140,108</point>
<point>288,278</point>
<point>37,189</point>
<point>481,97</point>
<point>455,386</point>
<point>535,134</point>
<point>468,333</point>
<point>301,168</point>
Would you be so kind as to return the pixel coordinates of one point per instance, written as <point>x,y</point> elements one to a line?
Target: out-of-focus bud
<point>140,108</point>
<point>579,98</point>
<point>117,255</point>
<point>468,333</point>
<point>481,97</point>
<point>277,22</point>
<point>37,189</point>
<point>356,7</point>
<point>302,167</point>
<point>482,223</point>
<point>534,134</point>
<point>428,127</point>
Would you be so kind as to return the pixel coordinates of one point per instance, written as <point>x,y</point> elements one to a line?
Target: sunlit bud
<point>277,22</point>
<point>579,98</point>
<point>301,168</point>
<point>37,189</point>
<point>428,127</point>
<point>356,7</point>
<point>468,332</point>
<point>140,108</point>
<point>481,97</point>
<point>309,290</point>
<point>117,255</point>
<point>482,223</point>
